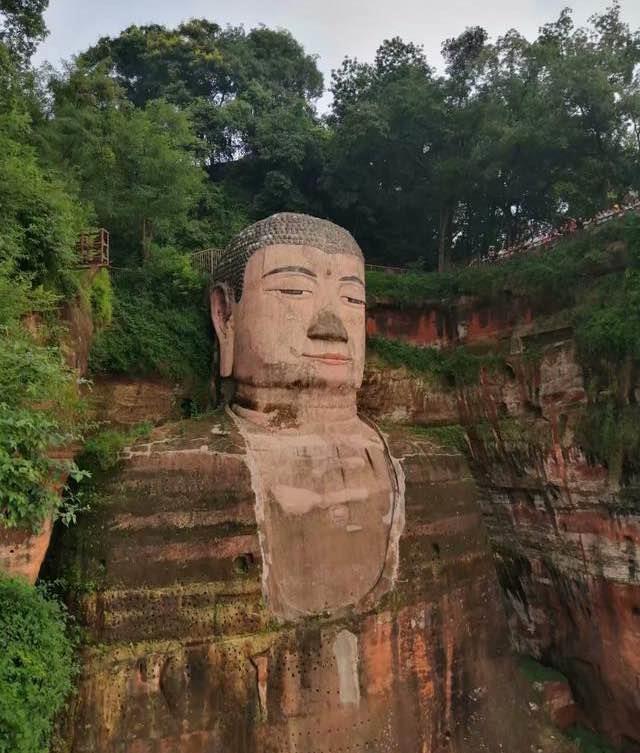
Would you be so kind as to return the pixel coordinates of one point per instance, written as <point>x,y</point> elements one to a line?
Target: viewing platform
<point>92,248</point>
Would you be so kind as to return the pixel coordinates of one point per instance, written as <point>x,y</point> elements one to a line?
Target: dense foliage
<point>36,666</point>
<point>38,411</point>
<point>102,451</point>
<point>160,322</point>
<point>516,135</point>
<point>185,134</point>
<point>458,367</point>
<point>542,277</point>
<point>609,330</point>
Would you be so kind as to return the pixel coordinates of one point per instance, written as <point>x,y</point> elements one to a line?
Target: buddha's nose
<point>327,326</point>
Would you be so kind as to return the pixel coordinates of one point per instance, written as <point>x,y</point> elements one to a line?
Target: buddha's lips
<point>333,359</point>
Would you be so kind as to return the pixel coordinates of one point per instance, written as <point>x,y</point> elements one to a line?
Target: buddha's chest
<point>325,509</point>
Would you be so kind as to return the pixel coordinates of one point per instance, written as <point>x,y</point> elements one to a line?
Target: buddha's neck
<point>277,407</point>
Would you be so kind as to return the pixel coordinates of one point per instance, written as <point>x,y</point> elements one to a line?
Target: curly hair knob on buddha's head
<point>284,228</point>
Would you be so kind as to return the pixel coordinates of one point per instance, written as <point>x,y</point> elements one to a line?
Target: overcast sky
<point>329,28</point>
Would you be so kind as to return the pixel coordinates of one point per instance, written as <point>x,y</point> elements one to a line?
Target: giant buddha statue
<point>279,576</point>
<point>288,307</point>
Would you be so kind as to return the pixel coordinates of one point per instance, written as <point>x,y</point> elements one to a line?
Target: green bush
<point>547,277</point>
<point>452,436</point>
<point>587,741</point>
<point>38,411</point>
<point>36,666</point>
<point>103,450</point>
<point>610,434</point>
<point>40,216</point>
<point>534,671</point>
<point>457,367</point>
<point>101,298</point>
<point>608,329</point>
<point>160,322</point>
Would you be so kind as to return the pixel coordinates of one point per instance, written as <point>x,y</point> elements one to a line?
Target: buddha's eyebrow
<point>299,270</point>
<point>352,278</point>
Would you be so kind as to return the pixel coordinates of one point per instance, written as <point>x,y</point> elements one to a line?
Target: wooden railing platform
<point>92,248</point>
<point>205,261</point>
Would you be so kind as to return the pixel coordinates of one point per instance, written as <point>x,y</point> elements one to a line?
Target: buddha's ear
<point>221,304</point>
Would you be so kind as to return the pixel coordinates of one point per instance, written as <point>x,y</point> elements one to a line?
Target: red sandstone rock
<point>566,535</point>
<point>559,704</point>
<point>22,552</point>
<point>191,661</point>
<point>126,401</point>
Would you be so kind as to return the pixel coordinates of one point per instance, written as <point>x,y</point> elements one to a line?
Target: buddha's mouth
<point>331,359</point>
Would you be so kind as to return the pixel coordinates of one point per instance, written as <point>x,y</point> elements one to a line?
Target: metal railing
<point>549,240</point>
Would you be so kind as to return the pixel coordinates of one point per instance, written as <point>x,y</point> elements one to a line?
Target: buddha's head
<point>288,305</point>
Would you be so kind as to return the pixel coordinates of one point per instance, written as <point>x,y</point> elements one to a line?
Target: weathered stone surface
<point>565,534</point>
<point>190,660</point>
<point>559,704</point>
<point>125,401</point>
<point>23,551</point>
<point>439,324</point>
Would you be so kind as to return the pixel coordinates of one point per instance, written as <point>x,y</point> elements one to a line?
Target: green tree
<point>590,80</point>
<point>136,166</point>
<point>37,666</point>
<point>39,215</point>
<point>386,120</point>
<point>22,26</point>
<point>250,97</point>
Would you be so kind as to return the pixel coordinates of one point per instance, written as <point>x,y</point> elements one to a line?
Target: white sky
<point>329,28</point>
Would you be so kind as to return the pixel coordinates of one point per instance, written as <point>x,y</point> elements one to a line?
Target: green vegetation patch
<point>452,436</point>
<point>610,434</point>
<point>36,666</point>
<point>553,276</point>
<point>534,671</point>
<point>160,323</point>
<point>39,412</point>
<point>102,451</point>
<point>588,741</point>
<point>101,299</point>
<point>458,367</point>
<point>608,329</point>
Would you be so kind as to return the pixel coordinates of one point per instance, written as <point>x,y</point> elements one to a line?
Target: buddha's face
<point>300,320</point>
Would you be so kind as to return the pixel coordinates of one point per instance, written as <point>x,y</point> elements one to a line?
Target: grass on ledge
<point>458,367</point>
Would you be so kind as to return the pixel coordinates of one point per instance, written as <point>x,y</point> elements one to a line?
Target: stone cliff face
<point>565,532</point>
<point>184,655</point>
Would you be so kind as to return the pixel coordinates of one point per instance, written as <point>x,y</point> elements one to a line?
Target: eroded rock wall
<point>184,655</point>
<point>565,531</point>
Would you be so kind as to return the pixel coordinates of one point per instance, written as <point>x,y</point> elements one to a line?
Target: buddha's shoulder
<point>213,432</point>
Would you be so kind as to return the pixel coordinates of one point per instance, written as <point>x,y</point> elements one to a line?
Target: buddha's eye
<point>294,292</point>
<point>354,301</point>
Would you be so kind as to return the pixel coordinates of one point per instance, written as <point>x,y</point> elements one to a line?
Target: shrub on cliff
<point>40,216</point>
<point>160,323</point>
<point>36,666</point>
<point>101,299</point>
<point>38,410</point>
<point>608,330</point>
<point>555,276</point>
<point>457,367</point>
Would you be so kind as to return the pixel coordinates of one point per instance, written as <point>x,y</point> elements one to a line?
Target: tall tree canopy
<point>22,26</point>
<point>249,95</point>
<point>180,136</point>
<point>516,135</point>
